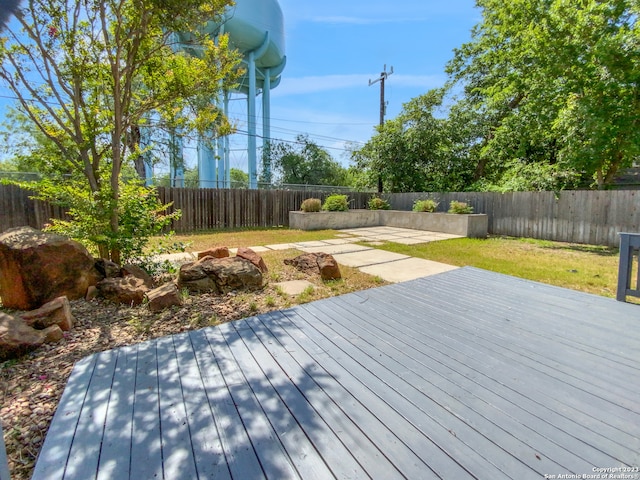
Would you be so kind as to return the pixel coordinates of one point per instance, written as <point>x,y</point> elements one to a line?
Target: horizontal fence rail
<point>589,217</point>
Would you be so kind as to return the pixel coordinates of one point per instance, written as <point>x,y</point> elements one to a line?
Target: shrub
<point>428,205</point>
<point>460,207</point>
<point>336,203</point>
<point>311,205</point>
<point>377,203</point>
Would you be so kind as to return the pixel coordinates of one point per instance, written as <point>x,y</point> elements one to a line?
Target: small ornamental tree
<point>86,74</point>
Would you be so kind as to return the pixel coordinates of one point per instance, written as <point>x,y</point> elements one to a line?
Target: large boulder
<point>236,273</point>
<point>195,277</point>
<point>215,275</point>
<point>37,267</point>
<point>18,338</point>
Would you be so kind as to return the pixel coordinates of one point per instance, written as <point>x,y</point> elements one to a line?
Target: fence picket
<point>592,217</point>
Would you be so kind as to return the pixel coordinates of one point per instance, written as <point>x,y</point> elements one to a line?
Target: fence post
<point>629,244</point>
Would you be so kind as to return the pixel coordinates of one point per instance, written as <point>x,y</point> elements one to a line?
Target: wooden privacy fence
<point>590,217</point>
<point>205,209</point>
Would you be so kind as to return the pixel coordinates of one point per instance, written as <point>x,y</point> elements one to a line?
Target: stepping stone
<point>294,287</point>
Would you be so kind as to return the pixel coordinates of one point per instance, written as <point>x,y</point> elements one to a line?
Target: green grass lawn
<point>586,268</point>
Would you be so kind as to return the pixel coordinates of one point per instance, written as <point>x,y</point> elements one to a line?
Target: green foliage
<point>336,203</point>
<point>311,205</point>
<point>377,203</point>
<point>460,208</point>
<point>140,211</point>
<point>87,75</point>
<point>427,205</point>
<point>419,150</point>
<point>239,178</point>
<point>304,163</point>
<point>554,83</point>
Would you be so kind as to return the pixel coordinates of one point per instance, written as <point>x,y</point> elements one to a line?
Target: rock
<point>52,334</point>
<point>128,290</point>
<point>321,264</point>
<point>137,272</point>
<point>195,277</point>
<point>57,312</point>
<point>37,267</point>
<point>307,263</point>
<point>220,275</point>
<point>216,252</point>
<point>236,273</point>
<point>107,268</point>
<point>164,297</point>
<point>17,338</point>
<point>329,269</point>
<point>92,293</point>
<point>253,257</point>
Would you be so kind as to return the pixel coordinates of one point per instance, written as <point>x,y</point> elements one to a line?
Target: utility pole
<point>383,105</point>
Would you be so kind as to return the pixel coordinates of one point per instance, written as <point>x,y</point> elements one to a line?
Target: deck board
<point>466,374</point>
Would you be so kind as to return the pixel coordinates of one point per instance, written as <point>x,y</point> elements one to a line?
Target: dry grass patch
<point>199,241</point>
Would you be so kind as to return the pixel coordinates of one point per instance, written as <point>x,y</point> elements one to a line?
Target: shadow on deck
<point>466,374</point>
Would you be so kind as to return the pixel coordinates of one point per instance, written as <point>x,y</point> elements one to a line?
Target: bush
<point>377,203</point>
<point>428,205</point>
<point>336,203</point>
<point>311,205</point>
<point>460,207</point>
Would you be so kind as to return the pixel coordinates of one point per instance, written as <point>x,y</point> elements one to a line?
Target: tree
<point>419,150</point>
<point>304,162</point>
<point>556,83</point>
<point>239,178</point>
<point>87,72</point>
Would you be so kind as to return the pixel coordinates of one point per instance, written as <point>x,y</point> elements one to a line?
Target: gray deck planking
<point>466,374</point>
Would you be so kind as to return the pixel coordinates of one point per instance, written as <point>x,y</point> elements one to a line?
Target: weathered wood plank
<point>54,454</point>
<point>115,454</point>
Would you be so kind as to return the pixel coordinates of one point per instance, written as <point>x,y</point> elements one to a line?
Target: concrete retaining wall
<point>473,225</point>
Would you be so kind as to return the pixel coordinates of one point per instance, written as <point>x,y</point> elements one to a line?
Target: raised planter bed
<point>471,225</point>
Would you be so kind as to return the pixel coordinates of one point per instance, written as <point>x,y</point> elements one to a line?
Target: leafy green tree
<point>239,178</point>
<point>85,73</point>
<point>419,150</point>
<point>304,162</point>
<point>555,83</point>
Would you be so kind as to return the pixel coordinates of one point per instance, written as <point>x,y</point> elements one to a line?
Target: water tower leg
<point>176,159</point>
<point>225,153</point>
<point>145,142</point>
<point>206,164</point>
<point>251,117</point>
<point>266,126</point>
<point>221,172</point>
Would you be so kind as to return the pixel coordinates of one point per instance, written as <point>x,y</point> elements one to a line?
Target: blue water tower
<point>256,30</point>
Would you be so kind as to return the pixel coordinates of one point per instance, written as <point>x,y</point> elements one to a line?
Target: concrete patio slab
<point>317,243</point>
<point>281,246</point>
<point>367,257</point>
<point>406,269</point>
<point>413,240</point>
<point>336,249</point>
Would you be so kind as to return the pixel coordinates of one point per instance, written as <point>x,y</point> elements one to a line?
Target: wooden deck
<point>466,374</point>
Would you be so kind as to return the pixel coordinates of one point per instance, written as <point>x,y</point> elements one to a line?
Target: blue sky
<point>334,47</point>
